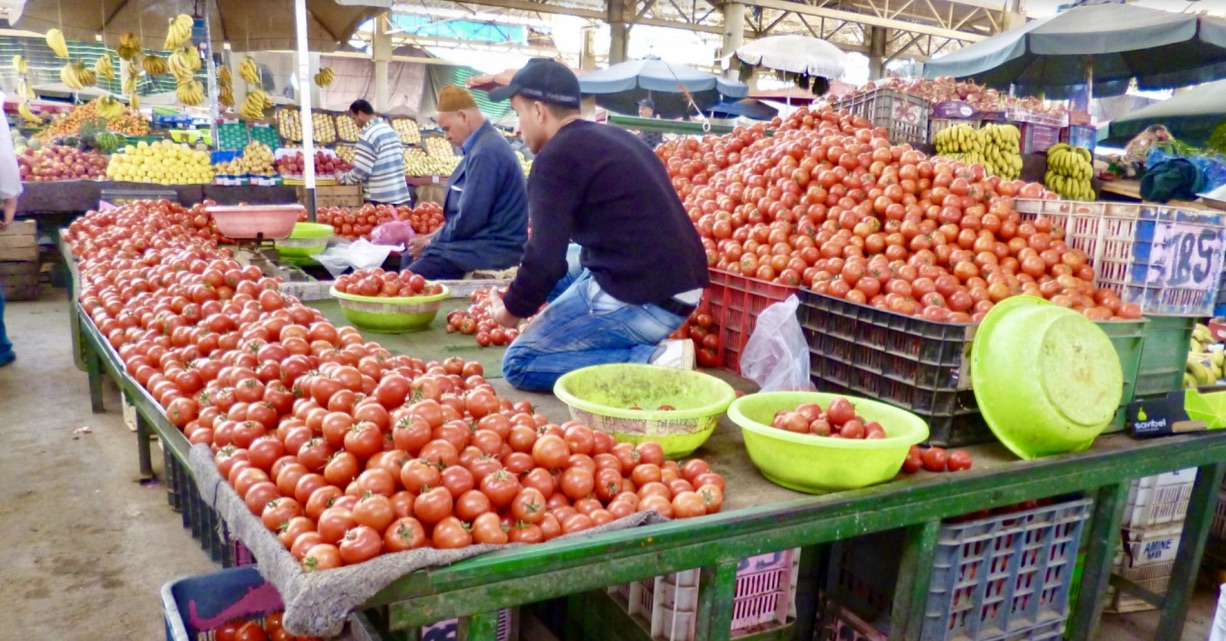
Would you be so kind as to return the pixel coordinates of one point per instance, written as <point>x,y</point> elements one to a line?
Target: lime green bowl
<point>390,315</point>
<point>601,397</point>
<point>819,464</point>
<point>305,241</point>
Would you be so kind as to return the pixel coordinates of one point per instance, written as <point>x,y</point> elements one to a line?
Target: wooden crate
<point>347,196</point>
<point>19,242</point>
<point>20,279</point>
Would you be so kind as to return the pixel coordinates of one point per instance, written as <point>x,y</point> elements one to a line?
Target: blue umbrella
<point>748,107</point>
<point>620,87</point>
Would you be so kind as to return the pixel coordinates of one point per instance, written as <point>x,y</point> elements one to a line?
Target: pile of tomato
<point>700,328</point>
<point>426,218</point>
<point>829,203</point>
<point>376,282</point>
<point>477,322</point>
<point>935,459</point>
<point>838,420</point>
<point>343,449</point>
<point>269,630</point>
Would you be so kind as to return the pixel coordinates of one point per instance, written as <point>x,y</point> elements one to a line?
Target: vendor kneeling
<point>638,267</point>
<point>486,209</point>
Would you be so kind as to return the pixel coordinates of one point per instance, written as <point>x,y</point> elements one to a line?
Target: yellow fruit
<point>55,40</point>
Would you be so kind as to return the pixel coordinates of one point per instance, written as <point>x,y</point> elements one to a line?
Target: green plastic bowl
<point>394,315</point>
<point>818,464</point>
<point>305,241</point>
<point>601,397</point>
<point>1047,379</point>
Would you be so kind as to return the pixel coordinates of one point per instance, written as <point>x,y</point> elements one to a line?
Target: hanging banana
<point>180,31</point>
<point>249,71</point>
<point>24,110</point>
<point>129,46</point>
<point>70,76</point>
<point>21,65</point>
<point>325,76</point>
<point>55,40</point>
<point>225,96</point>
<point>104,67</point>
<point>253,105</point>
<point>153,65</point>
<point>190,93</point>
<point>223,75</point>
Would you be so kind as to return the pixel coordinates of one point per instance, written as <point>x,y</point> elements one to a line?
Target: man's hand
<point>418,245</point>
<point>499,313</point>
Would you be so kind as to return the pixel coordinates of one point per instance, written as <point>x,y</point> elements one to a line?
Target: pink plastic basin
<point>252,221</point>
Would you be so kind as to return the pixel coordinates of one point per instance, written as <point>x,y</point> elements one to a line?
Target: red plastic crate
<point>736,301</point>
<point>1038,138</point>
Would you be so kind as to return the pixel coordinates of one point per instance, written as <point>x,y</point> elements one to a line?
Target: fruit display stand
<point>759,518</point>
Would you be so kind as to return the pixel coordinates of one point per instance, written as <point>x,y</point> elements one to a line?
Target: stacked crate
<point>19,266</point>
<point>1152,527</point>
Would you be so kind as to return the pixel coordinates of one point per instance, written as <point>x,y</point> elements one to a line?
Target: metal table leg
<point>1192,546</point>
<point>1100,552</point>
<point>478,627</point>
<point>914,579</point>
<point>144,446</point>
<point>93,367</point>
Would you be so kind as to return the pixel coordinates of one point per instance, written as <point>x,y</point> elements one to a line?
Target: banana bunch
<point>107,107</point>
<point>325,76</point>
<point>1003,153</point>
<point>154,65</point>
<point>190,92</point>
<point>129,46</point>
<point>55,40</point>
<point>24,89</point>
<point>104,67</point>
<point>1205,366</point>
<point>223,75</point>
<point>130,79</point>
<point>24,109</point>
<point>1069,170</point>
<point>20,65</point>
<point>959,139</point>
<point>180,32</point>
<point>225,86</point>
<point>255,104</point>
<point>184,63</point>
<point>77,76</point>
<point>249,71</point>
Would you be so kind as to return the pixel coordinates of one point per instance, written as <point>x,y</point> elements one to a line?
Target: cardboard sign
<point>1162,416</point>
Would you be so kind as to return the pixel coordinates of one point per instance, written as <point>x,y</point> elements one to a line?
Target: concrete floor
<point>94,546</point>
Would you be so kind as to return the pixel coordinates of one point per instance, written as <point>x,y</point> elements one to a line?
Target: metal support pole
<point>381,53</point>
<point>876,56</point>
<point>734,27</point>
<point>304,96</point>
<point>619,31</point>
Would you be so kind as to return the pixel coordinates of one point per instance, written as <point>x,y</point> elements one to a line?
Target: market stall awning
<point>621,86</point>
<point>1110,44</point>
<point>747,108</point>
<point>1191,116</point>
<point>801,55</point>
<point>247,26</point>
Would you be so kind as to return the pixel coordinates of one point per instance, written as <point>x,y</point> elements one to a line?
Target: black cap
<point>544,80</point>
<point>649,103</point>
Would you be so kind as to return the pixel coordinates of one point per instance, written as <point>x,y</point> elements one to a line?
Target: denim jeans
<point>6,348</point>
<point>583,326</point>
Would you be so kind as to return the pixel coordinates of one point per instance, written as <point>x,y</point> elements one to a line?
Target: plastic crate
<point>996,576</point>
<point>1166,259</point>
<point>232,135</point>
<point>266,134</point>
<point>919,365</point>
<point>1080,136</point>
<point>1005,576</point>
<point>202,520</point>
<point>841,624</point>
<point>1155,578</point>
<point>1159,501</point>
<point>1141,548</point>
<point>936,125</point>
<point>903,116</point>
<point>735,303</point>
<point>1038,138</point>
<point>765,597</point>
<point>194,606</point>
<point>1164,355</point>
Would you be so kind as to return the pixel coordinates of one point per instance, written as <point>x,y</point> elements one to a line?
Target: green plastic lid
<point>1047,379</point>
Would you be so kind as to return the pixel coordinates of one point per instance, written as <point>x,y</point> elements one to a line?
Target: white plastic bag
<point>777,355</point>
<point>360,254</point>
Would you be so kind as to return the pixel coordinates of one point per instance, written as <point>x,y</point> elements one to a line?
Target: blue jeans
<point>583,326</point>
<point>6,348</point>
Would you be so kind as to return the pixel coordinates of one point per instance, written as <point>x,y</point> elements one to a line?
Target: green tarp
<point>1191,116</point>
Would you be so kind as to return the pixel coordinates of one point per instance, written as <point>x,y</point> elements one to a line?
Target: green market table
<point>760,517</point>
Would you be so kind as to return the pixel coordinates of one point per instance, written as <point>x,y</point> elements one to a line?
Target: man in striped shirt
<point>378,160</point>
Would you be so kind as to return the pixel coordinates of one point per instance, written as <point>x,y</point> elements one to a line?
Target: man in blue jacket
<point>486,207</point>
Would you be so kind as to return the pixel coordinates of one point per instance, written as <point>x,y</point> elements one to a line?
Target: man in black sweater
<point>637,267</point>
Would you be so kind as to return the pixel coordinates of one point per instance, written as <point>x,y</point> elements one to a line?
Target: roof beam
<point>864,18</point>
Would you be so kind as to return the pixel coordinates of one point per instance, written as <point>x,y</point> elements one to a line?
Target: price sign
<point>1186,256</point>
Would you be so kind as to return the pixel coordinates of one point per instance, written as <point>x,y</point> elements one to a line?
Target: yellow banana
<point>20,65</point>
<point>104,67</point>
<point>134,102</point>
<point>129,46</point>
<point>24,110</point>
<point>180,31</point>
<point>55,40</point>
<point>223,75</point>
<point>190,93</point>
<point>68,75</point>
<point>86,75</point>
<point>154,66</point>
<point>249,71</point>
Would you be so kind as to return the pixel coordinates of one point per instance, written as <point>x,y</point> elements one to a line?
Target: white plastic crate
<point>765,597</point>
<point>1157,501</point>
<point>1155,578</point>
<point>1141,548</point>
<point>843,625</point>
<point>1168,260</point>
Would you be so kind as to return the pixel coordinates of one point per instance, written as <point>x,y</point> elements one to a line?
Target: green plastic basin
<point>601,397</point>
<point>311,230</point>
<point>1047,379</point>
<point>394,315</point>
<point>305,241</point>
<point>819,464</point>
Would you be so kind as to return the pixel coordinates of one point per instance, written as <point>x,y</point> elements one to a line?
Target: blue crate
<point>1004,576</point>
<point>1176,261</point>
<point>196,605</point>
